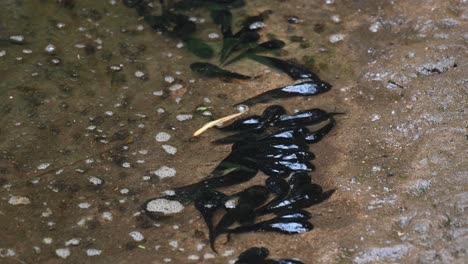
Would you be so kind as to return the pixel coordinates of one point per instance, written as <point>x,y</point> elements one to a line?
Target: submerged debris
<point>257,255</point>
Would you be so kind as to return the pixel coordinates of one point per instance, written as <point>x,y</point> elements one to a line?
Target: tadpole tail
<point>260,98</point>
<point>316,136</point>
<point>336,113</point>
<point>212,237</point>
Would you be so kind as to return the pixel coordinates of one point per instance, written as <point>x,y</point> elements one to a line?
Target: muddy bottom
<point>98,109</point>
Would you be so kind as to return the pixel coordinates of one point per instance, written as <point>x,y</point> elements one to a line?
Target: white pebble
<point>19,200</point>
<point>228,252</point>
<point>174,244</point>
<point>374,27</point>
<point>336,38</point>
<point>165,172</point>
<point>169,192</point>
<point>208,256</point>
<point>2,53</point>
<point>84,205</point>
<point>200,246</point>
<point>126,165</point>
<point>336,18</point>
<point>107,216</point>
<point>213,35</point>
<point>124,191</point>
<point>169,79</point>
<point>184,117</point>
<point>47,240</point>
<point>164,206</point>
<point>95,180</point>
<point>109,113</point>
<point>169,149</point>
<point>17,38</point>
<point>158,93</point>
<point>175,87</point>
<point>43,166</point>
<point>231,203</point>
<point>167,259</point>
<point>375,117</point>
<point>72,242</point>
<point>162,137</point>
<point>193,257</point>
<point>50,48</point>
<point>93,252</point>
<point>136,235</point>
<point>7,252</point>
<point>139,74</point>
<point>63,252</point>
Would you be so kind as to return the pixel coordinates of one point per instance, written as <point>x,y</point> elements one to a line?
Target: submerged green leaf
<point>199,48</point>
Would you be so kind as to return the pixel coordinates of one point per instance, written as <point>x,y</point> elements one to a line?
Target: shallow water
<point>397,158</point>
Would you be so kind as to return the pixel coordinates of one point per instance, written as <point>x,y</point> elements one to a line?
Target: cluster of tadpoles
<point>275,143</point>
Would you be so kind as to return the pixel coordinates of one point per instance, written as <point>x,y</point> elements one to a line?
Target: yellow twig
<point>215,122</point>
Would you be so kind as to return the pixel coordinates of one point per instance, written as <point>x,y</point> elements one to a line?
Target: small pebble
<point>107,216</point>
<point>374,27</point>
<point>228,252</point>
<point>43,166</point>
<point>162,137</point>
<point>164,206</point>
<point>95,180</point>
<point>169,79</point>
<point>336,18</point>
<point>139,74</point>
<point>72,242</point>
<point>47,240</point>
<point>19,200</point>
<point>18,39</point>
<point>336,38</point>
<point>165,172</point>
<point>169,149</point>
<point>213,35</point>
<point>158,93</point>
<point>137,236</point>
<point>50,49</point>
<point>208,256</point>
<point>375,117</point>
<point>176,87</point>
<point>184,117</point>
<point>193,257</point>
<point>84,205</point>
<point>63,252</point>
<point>174,244</point>
<point>93,252</point>
<point>200,246</point>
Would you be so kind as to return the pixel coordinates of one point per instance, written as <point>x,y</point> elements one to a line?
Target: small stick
<point>215,122</point>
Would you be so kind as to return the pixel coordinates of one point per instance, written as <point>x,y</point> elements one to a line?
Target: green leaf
<point>199,48</point>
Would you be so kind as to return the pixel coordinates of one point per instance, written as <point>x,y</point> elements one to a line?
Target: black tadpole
<point>307,88</point>
<point>211,70</point>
